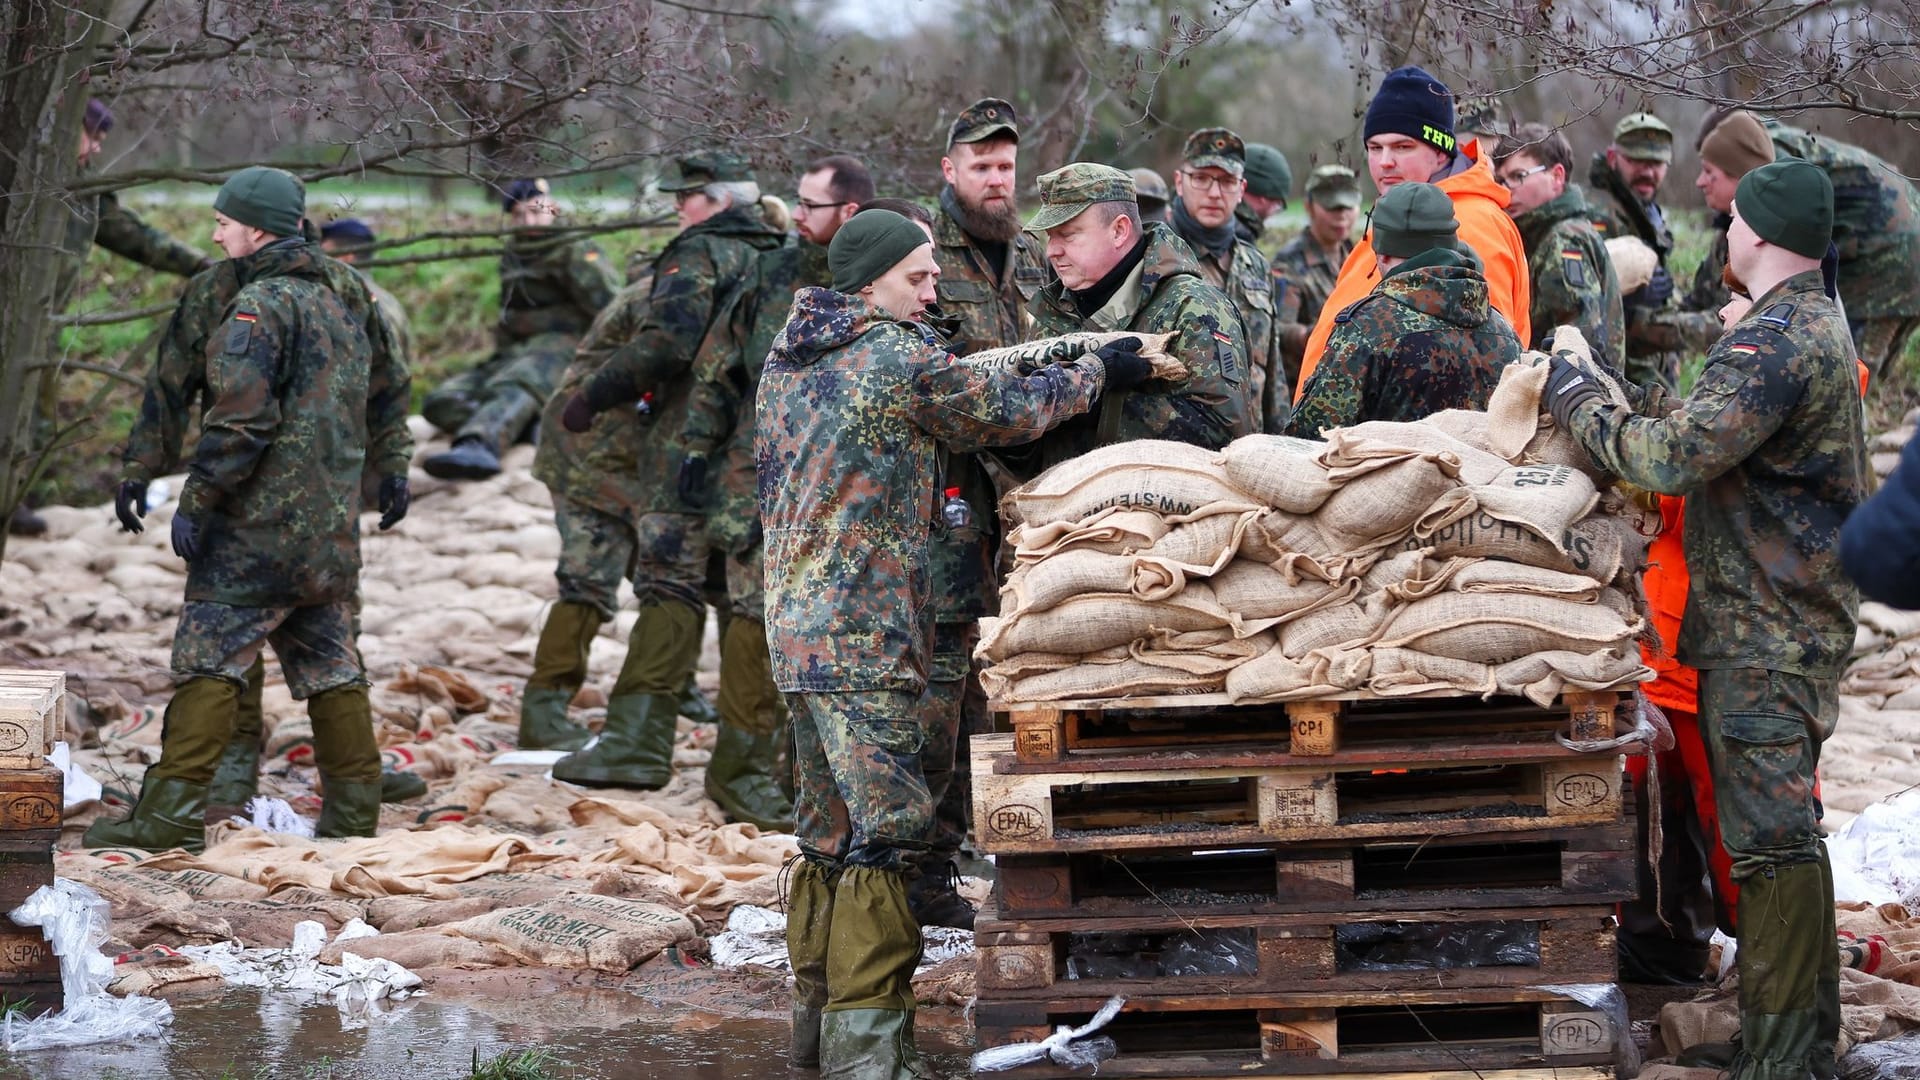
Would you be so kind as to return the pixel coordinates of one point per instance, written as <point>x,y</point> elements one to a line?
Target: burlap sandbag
<point>1032,355</point>
<point>1279,471</point>
<point>1038,586</point>
<point>1113,531</point>
<point>1596,546</point>
<point>1542,676</point>
<point>1350,449</point>
<point>1496,628</point>
<point>1196,662</point>
<point>1545,498</point>
<point>1633,261</point>
<point>580,930</point>
<point>1465,575</point>
<point>1257,591</point>
<point>1275,676</point>
<point>1351,625</point>
<point>1513,409</point>
<point>1470,426</point>
<point>1085,624</point>
<point>1404,672</point>
<point>1167,478</point>
<point>998,679</point>
<point>1195,548</point>
<point>1373,511</point>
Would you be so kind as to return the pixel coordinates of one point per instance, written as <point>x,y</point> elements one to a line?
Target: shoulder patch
<point>1573,267</point>
<point>240,331</point>
<point>1779,316</point>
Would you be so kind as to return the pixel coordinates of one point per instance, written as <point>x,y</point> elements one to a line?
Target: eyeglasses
<point>1211,183</point>
<point>1514,180</point>
<point>806,207</point>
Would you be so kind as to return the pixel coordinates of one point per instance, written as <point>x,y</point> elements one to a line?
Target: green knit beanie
<point>271,200</point>
<point>871,243</point>
<point>1268,174</point>
<point>1411,218</point>
<point>1788,204</point>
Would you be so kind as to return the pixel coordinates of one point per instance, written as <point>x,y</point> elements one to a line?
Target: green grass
<point>528,1064</point>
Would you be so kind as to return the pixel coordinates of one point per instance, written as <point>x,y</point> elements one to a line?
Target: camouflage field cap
<point>982,119</point>
<point>1334,187</point>
<point>1150,186</point>
<point>691,172</point>
<point>1216,148</point>
<point>1067,191</point>
<point>1643,136</point>
<point>1478,115</point>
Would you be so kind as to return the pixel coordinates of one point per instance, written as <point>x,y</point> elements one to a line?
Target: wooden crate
<point>23,872</point>
<point>1321,1033</point>
<point>1027,959</point>
<point>32,716</point>
<point>31,804</point>
<point>1224,796</point>
<point>1573,865</point>
<point>1055,731</point>
<point>25,955</point>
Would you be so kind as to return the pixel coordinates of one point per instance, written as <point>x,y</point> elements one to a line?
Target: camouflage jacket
<point>1573,279</point>
<point>1616,211</point>
<point>275,480</point>
<point>600,467</point>
<point>726,377</point>
<point>176,384</point>
<point>977,308</point>
<point>100,219</point>
<point>1424,340</point>
<point>853,407</point>
<point>1211,407</point>
<point>1770,450</point>
<point>1876,218</point>
<point>1248,282</point>
<point>393,311</point>
<point>1303,277</point>
<point>550,284</point>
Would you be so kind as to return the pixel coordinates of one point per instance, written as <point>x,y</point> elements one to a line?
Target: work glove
<point>577,417</point>
<point>130,505</point>
<point>186,537</point>
<point>1125,366</point>
<point>692,482</point>
<point>395,498</point>
<point>1656,292</point>
<point>1567,388</point>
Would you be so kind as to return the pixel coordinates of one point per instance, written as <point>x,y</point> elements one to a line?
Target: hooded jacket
<point>853,408</point>
<point>1424,340</point>
<point>1480,206</point>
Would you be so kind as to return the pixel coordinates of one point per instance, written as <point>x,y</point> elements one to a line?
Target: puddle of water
<point>244,1035</point>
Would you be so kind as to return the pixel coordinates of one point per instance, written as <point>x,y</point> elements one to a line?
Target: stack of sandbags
<point>1470,552</point>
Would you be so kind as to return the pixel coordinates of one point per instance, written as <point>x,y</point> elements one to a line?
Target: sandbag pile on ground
<point>1471,552</point>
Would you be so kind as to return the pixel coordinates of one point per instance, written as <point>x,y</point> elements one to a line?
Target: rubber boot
<point>740,779</point>
<point>935,897</point>
<point>635,748</point>
<point>25,522</point>
<point>477,447</point>
<point>809,922</point>
<point>694,705</point>
<point>1787,960</point>
<point>866,1030</point>
<point>237,778</point>
<point>470,458</point>
<point>348,759</point>
<point>559,670</point>
<point>171,810</point>
<point>397,785</point>
<point>171,813</point>
<point>747,698</point>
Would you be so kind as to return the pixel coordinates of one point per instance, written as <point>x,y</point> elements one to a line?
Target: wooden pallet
<point>31,805</point>
<point>1029,959</point>
<point>1228,796</point>
<point>32,716</point>
<point>1058,730</point>
<point>1321,1033</point>
<point>1548,867</point>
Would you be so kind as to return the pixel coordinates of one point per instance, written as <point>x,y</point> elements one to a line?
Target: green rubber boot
<point>171,814</point>
<point>809,924</point>
<point>559,670</point>
<point>397,785</point>
<point>348,759</point>
<point>694,705</point>
<point>635,748</point>
<point>544,724</point>
<point>1787,963</point>
<point>866,1029</point>
<point>237,778</point>
<point>740,779</point>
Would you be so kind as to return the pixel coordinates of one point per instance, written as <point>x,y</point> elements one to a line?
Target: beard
<point>994,225</point>
<point>1732,280</point>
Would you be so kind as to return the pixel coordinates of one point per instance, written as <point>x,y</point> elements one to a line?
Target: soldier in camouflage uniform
<point>268,525</point>
<point>1269,182</point>
<point>1573,279</point>
<point>1305,268</point>
<point>1116,275</point>
<point>1771,452</point>
<point>718,435</point>
<point>551,287</point>
<point>854,404</point>
<point>346,240</point>
<point>1624,187</point>
<point>1150,189</point>
<point>1208,187</point>
<point>1424,340</point>
<point>722,232</point>
<point>176,391</point>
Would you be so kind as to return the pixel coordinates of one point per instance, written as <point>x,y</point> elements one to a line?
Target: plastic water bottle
<point>956,513</point>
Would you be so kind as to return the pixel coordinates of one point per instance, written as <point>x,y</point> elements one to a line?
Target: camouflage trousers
<point>1880,342</point>
<point>952,708</point>
<point>533,366</point>
<point>597,551</point>
<point>859,796</point>
<point>672,561</point>
<point>315,645</point>
<point>746,585</point>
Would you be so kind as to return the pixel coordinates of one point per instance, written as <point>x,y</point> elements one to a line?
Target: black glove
<point>1658,291</point>
<point>1567,388</point>
<point>692,483</point>
<point>395,498</point>
<point>1125,366</point>
<point>186,537</point>
<point>130,505</point>
<point>577,417</point>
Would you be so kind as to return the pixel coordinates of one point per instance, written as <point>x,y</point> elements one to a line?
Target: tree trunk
<point>42,97</point>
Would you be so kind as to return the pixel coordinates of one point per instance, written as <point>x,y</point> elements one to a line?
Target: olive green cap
<point>1334,187</point>
<point>1216,148</point>
<point>1268,174</point>
<point>1067,191</point>
<point>691,172</point>
<point>1643,136</point>
<point>982,119</point>
<point>1150,186</point>
<point>1411,218</point>
<point>871,243</point>
<point>271,200</point>
<point>1788,204</point>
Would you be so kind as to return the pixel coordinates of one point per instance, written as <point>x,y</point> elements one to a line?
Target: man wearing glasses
<point>1574,283</point>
